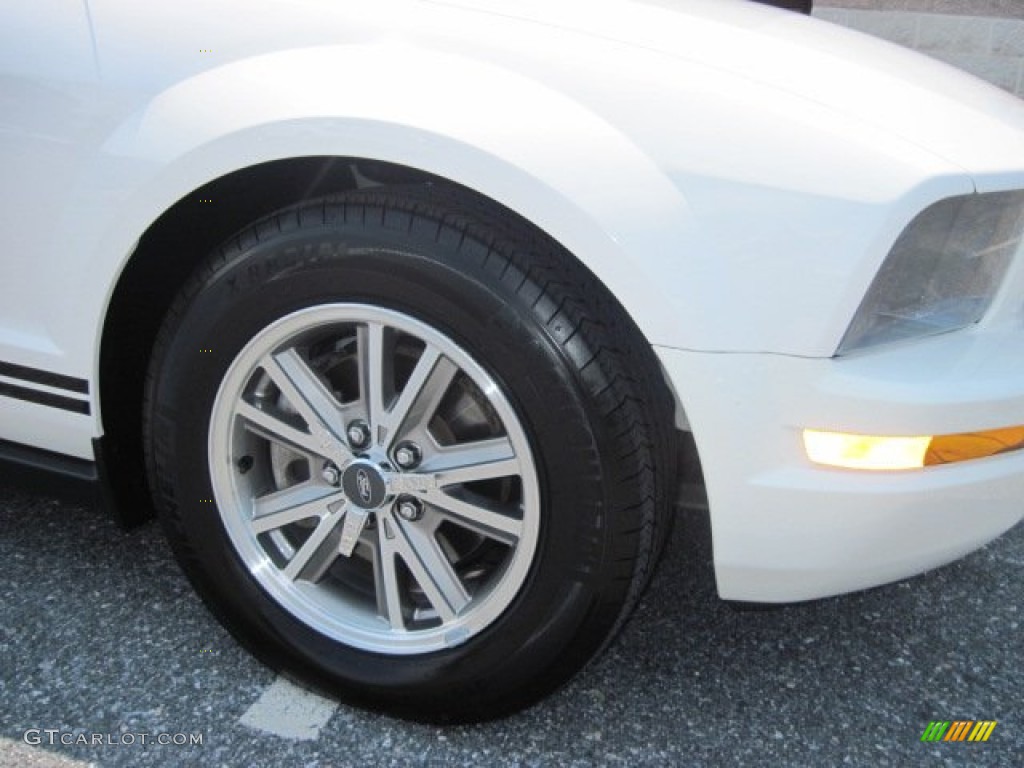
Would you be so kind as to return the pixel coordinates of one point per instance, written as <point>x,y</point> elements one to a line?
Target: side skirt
<point>79,480</point>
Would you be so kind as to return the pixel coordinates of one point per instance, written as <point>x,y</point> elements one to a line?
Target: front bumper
<point>785,529</point>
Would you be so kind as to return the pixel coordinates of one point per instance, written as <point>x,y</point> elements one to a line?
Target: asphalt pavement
<point>102,643</point>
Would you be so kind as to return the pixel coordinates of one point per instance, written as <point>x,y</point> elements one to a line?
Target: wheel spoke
<point>352,529</point>
<point>317,553</point>
<point>413,408</point>
<point>476,516</point>
<point>469,462</point>
<point>389,600</point>
<point>281,508</point>
<point>429,390</point>
<point>429,566</point>
<point>421,383</point>
<point>267,425</point>
<point>374,371</point>
<point>306,393</point>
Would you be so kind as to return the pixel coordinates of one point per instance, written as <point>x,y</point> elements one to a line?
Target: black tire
<point>578,374</point>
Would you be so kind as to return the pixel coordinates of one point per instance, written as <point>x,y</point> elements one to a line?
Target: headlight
<point>943,271</point>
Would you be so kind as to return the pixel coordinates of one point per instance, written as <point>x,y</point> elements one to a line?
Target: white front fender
<point>519,142</point>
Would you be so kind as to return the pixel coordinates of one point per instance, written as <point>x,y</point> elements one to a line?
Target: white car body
<point>734,174</point>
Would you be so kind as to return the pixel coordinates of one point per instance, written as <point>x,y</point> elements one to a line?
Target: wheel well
<point>166,255</point>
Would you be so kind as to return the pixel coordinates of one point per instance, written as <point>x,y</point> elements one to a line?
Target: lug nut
<point>409,508</point>
<point>408,455</point>
<point>358,434</point>
<point>330,474</point>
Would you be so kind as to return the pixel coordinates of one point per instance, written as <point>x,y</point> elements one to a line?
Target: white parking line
<point>287,710</point>
<point>14,754</point>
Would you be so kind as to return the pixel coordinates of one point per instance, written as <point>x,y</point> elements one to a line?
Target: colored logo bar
<point>958,730</point>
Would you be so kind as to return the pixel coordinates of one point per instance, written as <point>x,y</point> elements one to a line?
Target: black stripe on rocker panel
<point>43,398</point>
<point>46,378</point>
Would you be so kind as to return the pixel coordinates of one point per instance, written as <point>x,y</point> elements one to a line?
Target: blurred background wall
<point>984,37</point>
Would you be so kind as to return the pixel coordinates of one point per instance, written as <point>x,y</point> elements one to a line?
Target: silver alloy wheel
<point>302,454</point>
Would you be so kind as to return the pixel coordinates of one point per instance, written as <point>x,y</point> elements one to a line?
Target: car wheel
<point>409,451</point>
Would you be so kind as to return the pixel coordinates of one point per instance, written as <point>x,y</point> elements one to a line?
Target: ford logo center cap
<point>363,485</point>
